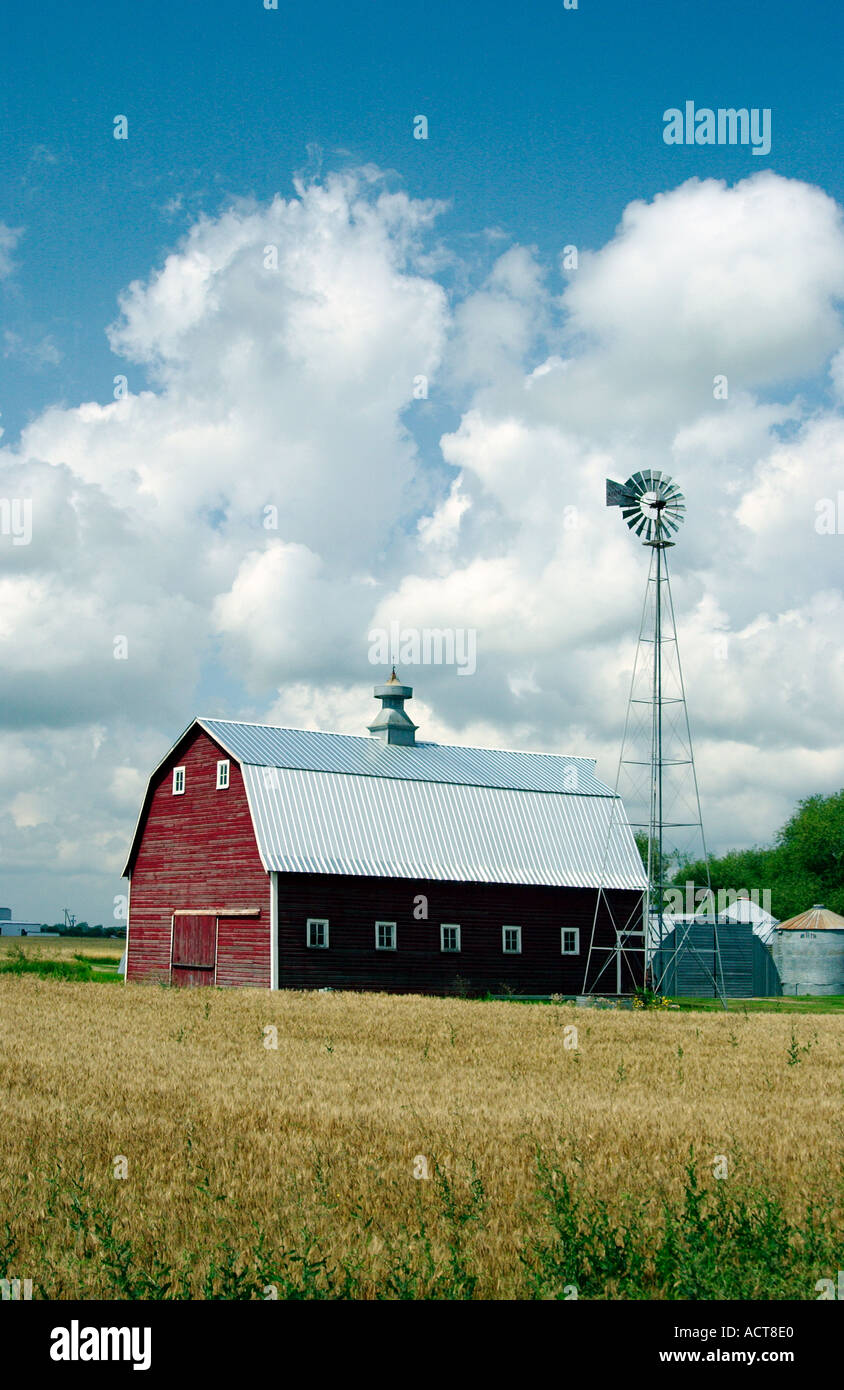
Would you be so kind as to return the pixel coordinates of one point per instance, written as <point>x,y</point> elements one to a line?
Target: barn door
<point>194,957</point>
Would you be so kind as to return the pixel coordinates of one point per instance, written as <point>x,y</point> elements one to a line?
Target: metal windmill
<point>657,748</point>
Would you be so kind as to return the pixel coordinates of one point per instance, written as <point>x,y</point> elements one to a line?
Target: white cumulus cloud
<point>224,539</point>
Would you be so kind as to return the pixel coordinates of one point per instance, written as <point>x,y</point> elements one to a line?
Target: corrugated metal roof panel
<point>314,751</point>
<point>817,918</point>
<point>337,823</point>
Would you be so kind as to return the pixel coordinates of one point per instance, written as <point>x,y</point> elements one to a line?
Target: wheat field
<point>248,1163</point>
<point>63,947</point>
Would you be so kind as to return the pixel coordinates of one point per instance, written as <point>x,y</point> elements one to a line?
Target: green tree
<point>814,837</point>
<point>670,862</point>
<point>805,865</point>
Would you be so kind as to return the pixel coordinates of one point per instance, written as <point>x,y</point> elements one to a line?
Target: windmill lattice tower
<point>657,780</point>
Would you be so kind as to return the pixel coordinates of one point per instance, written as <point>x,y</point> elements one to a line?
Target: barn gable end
<point>194,852</point>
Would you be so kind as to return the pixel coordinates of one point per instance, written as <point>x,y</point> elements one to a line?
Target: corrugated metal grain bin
<point>809,952</point>
<point>687,961</point>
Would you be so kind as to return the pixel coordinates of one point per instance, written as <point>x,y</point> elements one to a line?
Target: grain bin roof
<point>818,918</point>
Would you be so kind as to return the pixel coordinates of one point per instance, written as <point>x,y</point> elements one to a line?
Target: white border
<point>274,984</point>
<point>128,915</point>
<point>510,926</point>
<point>394,946</point>
<point>324,922</point>
<point>576,951</point>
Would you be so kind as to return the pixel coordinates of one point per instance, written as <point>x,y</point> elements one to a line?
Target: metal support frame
<point>653,930</point>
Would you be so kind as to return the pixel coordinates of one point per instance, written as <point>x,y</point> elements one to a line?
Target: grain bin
<point>809,952</point>
<point>698,953</point>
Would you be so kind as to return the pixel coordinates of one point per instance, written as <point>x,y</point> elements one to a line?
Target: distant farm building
<point>288,858</point>
<point>745,909</point>
<point>809,952</point>
<point>10,928</point>
<point>698,953</point>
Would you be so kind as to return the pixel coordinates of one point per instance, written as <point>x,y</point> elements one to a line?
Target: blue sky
<point>543,123</point>
<point>545,130</point>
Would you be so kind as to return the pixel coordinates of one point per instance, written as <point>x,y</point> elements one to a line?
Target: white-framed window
<point>222,774</point>
<point>385,936</point>
<point>570,941</point>
<point>178,781</point>
<point>317,933</point>
<point>449,936</point>
<point>511,940</point>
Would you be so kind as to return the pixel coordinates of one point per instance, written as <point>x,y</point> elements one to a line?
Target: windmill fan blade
<point>618,494</point>
<point>651,503</point>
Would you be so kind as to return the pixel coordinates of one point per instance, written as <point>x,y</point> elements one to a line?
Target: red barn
<point>289,858</point>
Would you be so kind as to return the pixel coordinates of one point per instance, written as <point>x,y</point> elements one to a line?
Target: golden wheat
<point>93,948</point>
<point>322,1133</point>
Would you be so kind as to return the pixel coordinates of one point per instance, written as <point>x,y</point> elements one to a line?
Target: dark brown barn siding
<point>198,851</point>
<point>353,905</point>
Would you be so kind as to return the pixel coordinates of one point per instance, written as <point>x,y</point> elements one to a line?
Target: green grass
<point>106,965</point>
<point>78,969</point>
<point>790,1004</point>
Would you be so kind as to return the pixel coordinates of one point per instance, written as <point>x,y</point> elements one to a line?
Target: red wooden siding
<point>243,950</point>
<point>197,851</point>
<point>353,905</point>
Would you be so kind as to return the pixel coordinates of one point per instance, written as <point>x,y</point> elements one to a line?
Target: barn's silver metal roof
<point>347,804</point>
<point>336,823</point>
<point>313,751</point>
